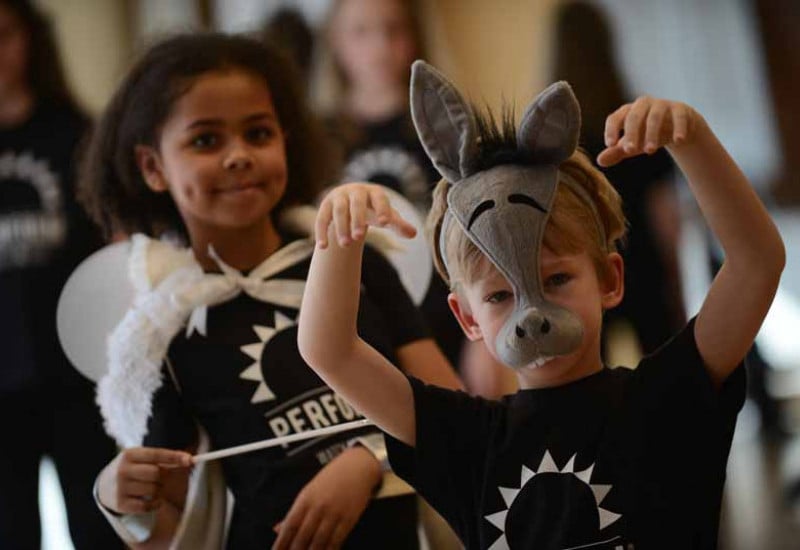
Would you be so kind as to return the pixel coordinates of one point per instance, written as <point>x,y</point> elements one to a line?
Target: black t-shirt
<point>386,152</point>
<point>651,301</point>
<point>634,179</point>
<point>620,459</point>
<point>246,381</point>
<point>44,234</point>
<point>390,153</point>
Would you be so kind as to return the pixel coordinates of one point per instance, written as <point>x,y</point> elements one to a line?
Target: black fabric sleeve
<point>384,289</point>
<point>675,375</point>
<point>685,430</point>
<point>170,425</point>
<point>446,466</point>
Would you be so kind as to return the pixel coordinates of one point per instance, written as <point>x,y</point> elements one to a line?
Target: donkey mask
<point>504,209</point>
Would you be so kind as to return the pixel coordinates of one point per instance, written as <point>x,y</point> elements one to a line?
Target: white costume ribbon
<point>172,288</point>
<point>228,285</point>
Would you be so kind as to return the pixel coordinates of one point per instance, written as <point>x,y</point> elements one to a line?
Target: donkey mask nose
<point>532,325</point>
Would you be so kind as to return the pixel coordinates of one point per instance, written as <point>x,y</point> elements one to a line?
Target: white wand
<point>283,440</point>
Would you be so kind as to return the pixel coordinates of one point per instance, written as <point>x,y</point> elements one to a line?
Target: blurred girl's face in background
<point>373,42</point>
<point>13,51</point>
<point>221,155</point>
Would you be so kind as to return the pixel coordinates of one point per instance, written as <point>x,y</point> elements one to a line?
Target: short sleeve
<point>385,290</point>
<point>454,432</point>
<point>170,425</point>
<point>683,432</point>
<point>675,375</point>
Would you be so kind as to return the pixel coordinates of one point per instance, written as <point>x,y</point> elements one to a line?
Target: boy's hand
<point>139,479</point>
<point>328,507</point>
<point>646,125</point>
<point>352,208</point>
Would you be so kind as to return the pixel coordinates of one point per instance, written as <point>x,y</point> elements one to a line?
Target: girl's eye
<point>498,297</point>
<point>557,279</point>
<point>204,141</point>
<point>260,134</point>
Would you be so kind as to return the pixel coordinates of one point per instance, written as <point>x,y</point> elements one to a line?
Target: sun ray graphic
<point>391,161</point>
<point>254,351</point>
<point>548,465</point>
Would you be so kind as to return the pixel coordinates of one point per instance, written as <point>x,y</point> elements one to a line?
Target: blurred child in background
<point>46,407</point>
<point>372,44</point>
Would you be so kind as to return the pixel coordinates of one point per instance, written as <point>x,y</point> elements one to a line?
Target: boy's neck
<point>558,372</point>
<point>243,249</point>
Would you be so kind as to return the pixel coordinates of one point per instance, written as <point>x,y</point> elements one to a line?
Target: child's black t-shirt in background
<point>389,152</point>
<point>622,457</point>
<point>245,381</point>
<point>44,235</point>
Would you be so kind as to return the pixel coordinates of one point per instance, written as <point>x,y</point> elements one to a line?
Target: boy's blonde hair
<point>572,227</point>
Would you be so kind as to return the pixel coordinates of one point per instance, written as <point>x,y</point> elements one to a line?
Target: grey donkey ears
<point>445,123</point>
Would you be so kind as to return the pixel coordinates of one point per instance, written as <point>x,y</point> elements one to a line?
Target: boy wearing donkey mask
<point>524,231</point>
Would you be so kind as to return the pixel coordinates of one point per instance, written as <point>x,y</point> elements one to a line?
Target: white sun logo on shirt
<point>548,466</point>
<point>254,372</point>
<point>394,162</point>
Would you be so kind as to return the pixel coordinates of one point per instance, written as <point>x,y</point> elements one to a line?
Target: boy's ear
<point>460,308</point>
<point>612,286</point>
<point>149,164</point>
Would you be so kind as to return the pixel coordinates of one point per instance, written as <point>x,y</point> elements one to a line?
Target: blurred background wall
<point>95,40</point>
<point>711,54</point>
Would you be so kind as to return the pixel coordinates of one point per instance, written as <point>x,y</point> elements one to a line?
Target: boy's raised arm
<point>744,287</point>
<point>327,335</point>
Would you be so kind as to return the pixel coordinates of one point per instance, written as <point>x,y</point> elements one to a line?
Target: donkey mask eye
<point>519,198</point>
<point>480,209</point>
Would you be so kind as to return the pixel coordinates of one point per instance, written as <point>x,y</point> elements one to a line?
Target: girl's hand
<point>646,125</point>
<point>140,479</point>
<point>351,208</point>
<point>328,507</point>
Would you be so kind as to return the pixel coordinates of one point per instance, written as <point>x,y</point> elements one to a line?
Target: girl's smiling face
<point>570,281</point>
<point>221,155</point>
